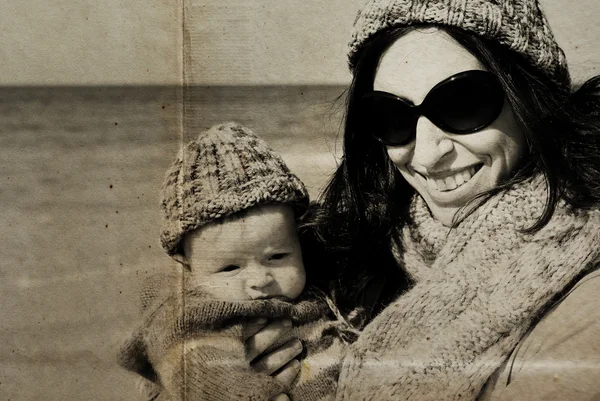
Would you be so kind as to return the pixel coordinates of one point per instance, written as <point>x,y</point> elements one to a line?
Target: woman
<point>467,200</point>
<point>466,227</point>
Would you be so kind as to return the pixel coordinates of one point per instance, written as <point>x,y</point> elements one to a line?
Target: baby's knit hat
<point>518,24</point>
<point>227,169</point>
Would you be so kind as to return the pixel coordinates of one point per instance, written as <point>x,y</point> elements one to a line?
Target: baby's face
<point>257,256</point>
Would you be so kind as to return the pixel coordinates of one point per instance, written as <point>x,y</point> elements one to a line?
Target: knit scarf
<point>478,288</point>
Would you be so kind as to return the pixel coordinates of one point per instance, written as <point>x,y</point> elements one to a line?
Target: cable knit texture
<point>478,288</point>
<point>227,169</point>
<point>192,348</point>
<point>519,25</point>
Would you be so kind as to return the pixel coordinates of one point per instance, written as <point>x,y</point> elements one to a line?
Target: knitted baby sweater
<point>192,347</point>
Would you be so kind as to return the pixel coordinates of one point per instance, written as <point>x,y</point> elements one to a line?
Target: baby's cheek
<point>198,280</point>
<point>210,286</point>
<point>293,282</point>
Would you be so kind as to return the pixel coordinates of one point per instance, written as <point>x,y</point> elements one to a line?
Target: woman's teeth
<point>451,182</point>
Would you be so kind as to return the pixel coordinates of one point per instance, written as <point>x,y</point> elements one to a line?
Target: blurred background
<point>91,115</point>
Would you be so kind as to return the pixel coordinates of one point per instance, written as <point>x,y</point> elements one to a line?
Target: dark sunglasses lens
<point>387,119</point>
<point>468,103</point>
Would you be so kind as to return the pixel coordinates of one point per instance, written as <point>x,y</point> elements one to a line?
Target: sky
<point>234,42</point>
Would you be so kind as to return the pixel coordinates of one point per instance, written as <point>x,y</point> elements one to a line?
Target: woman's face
<point>446,169</point>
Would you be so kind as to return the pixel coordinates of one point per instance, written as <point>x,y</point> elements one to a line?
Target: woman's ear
<point>181,258</point>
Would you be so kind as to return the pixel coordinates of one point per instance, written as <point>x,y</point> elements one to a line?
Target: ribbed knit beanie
<point>518,24</point>
<point>227,169</point>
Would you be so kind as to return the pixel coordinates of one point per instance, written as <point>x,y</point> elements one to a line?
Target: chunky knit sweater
<point>192,348</point>
<point>478,289</point>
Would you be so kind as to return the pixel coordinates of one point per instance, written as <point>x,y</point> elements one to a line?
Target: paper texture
<point>95,101</point>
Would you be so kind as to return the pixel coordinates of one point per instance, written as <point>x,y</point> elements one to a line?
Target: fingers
<point>265,337</point>
<point>253,327</point>
<point>280,397</point>
<point>289,372</point>
<point>277,359</point>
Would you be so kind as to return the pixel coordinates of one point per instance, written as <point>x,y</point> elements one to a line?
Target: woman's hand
<point>260,336</point>
<point>280,397</point>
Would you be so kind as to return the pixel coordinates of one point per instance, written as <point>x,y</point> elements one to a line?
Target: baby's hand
<point>260,336</point>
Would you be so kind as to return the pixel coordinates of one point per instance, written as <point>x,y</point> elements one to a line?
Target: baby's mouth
<point>451,182</point>
<point>266,296</point>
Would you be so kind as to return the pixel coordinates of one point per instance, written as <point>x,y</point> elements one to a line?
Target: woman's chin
<point>444,215</point>
<point>445,203</point>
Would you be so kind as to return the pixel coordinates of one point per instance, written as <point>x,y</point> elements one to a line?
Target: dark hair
<point>366,202</point>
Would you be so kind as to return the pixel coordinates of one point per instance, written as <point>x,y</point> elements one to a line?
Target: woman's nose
<point>431,144</point>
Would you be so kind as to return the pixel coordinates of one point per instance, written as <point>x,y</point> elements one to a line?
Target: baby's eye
<point>278,256</point>
<point>230,268</point>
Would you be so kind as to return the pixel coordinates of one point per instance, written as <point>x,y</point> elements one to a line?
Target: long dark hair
<point>366,202</point>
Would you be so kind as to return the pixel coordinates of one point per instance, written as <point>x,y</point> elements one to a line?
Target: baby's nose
<point>259,278</point>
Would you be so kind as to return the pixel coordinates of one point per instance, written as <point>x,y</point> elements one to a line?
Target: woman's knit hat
<point>226,170</point>
<point>518,24</point>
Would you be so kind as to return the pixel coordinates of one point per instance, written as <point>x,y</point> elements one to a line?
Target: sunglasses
<point>461,104</point>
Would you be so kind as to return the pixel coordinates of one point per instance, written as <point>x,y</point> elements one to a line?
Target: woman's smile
<point>452,188</point>
<point>448,181</point>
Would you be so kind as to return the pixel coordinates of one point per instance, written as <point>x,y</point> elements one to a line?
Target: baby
<point>231,207</point>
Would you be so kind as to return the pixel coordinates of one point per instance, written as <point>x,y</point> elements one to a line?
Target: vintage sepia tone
<point>96,99</point>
